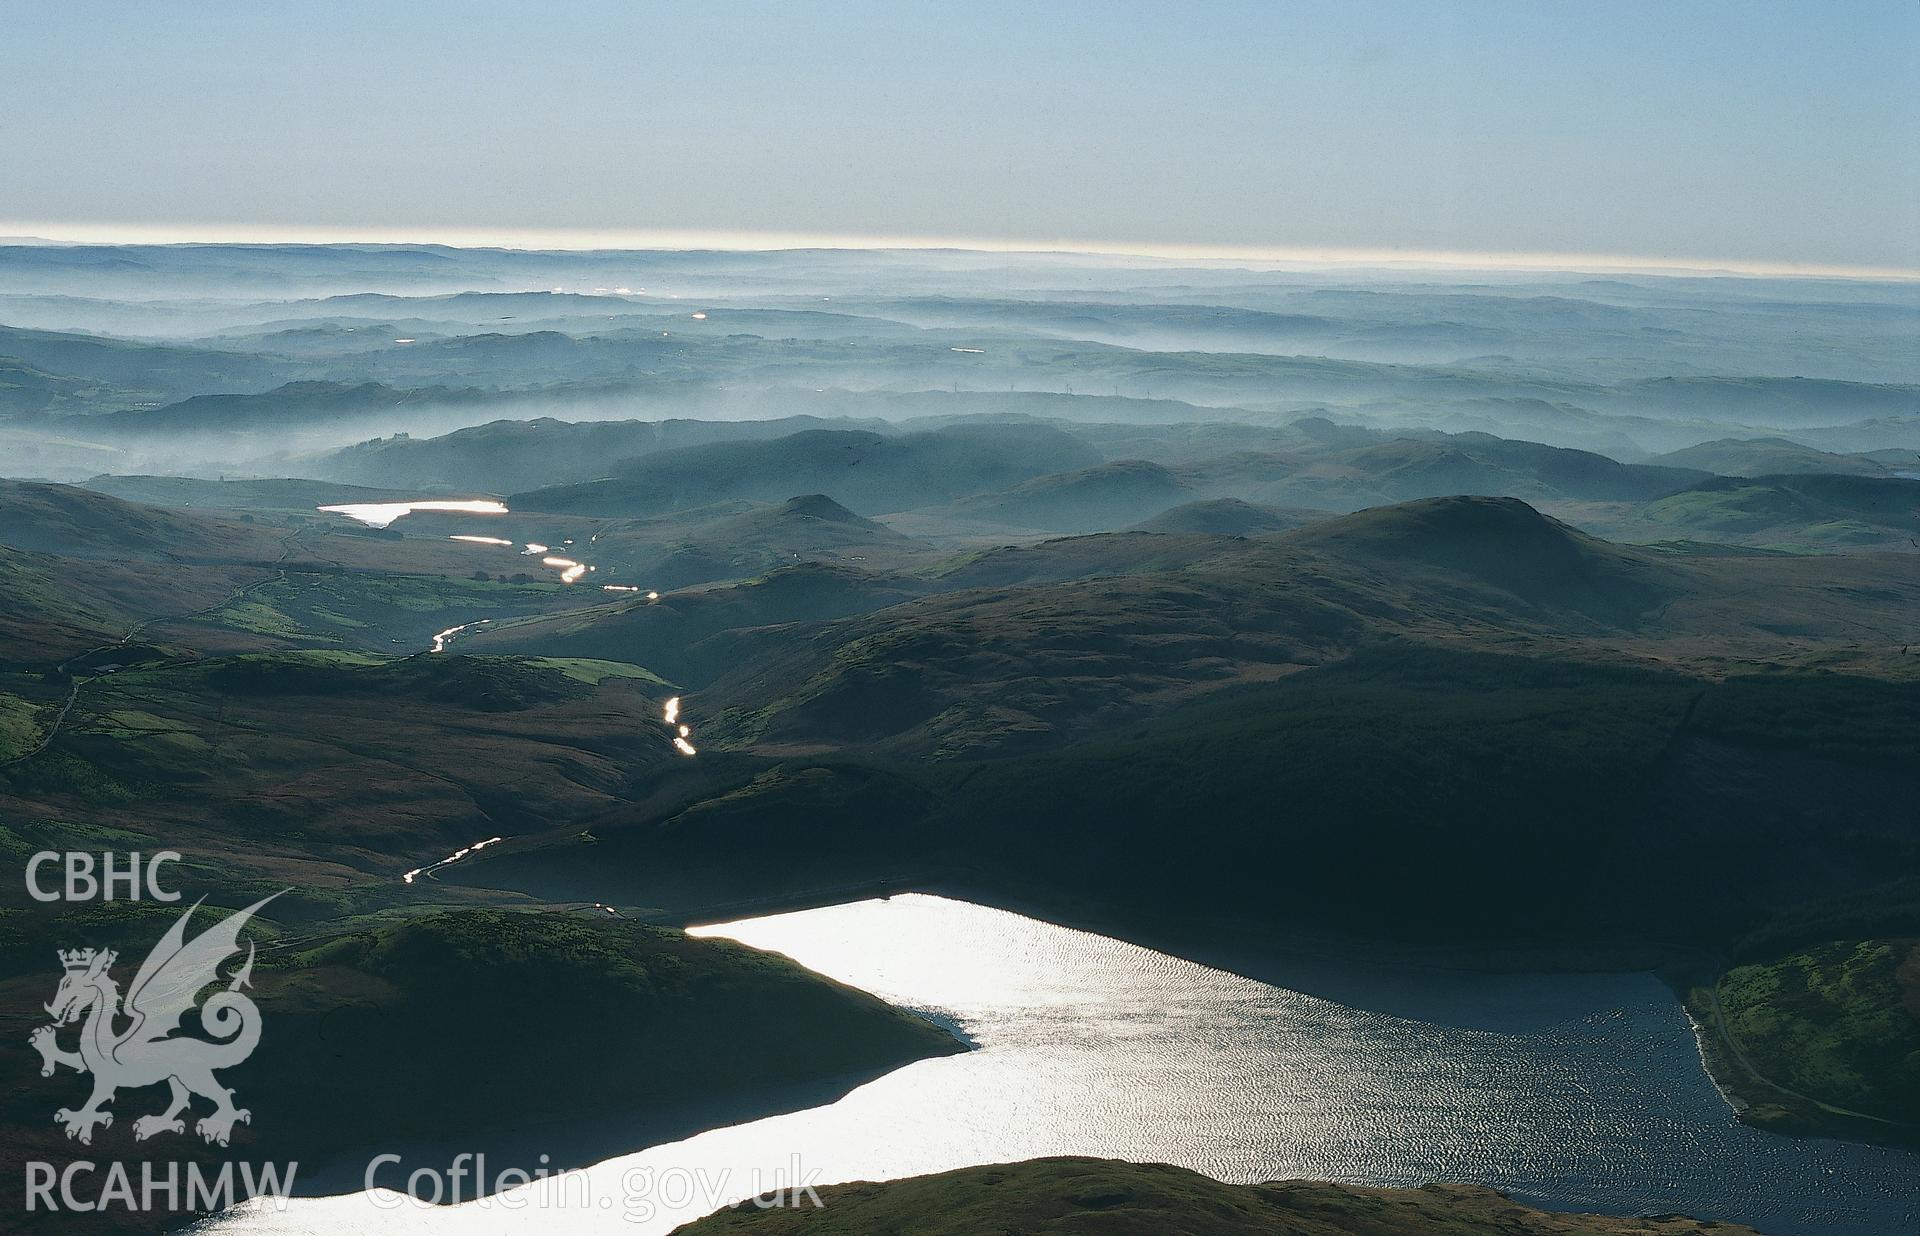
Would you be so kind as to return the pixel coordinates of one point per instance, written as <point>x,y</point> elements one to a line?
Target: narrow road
<point>73,691</point>
<point>1724,1032</point>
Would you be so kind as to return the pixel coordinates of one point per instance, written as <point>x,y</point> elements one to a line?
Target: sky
<point>1746,135</point>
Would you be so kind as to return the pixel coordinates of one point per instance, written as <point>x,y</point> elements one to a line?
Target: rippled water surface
<point>1575,1092</point>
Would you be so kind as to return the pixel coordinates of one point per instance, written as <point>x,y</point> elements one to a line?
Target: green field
<point>1839,1023</point>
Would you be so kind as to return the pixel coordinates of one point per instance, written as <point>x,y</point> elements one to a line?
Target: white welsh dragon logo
<point>145,1051</point>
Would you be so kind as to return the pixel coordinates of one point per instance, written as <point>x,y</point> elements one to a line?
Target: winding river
<point>1576,1092</point>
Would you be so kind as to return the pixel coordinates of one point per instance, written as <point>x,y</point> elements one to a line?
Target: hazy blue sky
<point>1739,131</point>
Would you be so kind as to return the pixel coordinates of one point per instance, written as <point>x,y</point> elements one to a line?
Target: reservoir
<point>1573,1092</point>
<point>381,514</point>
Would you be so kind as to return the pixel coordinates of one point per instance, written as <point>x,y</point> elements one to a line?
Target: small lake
<point>1576,1092</point>
<point>380,514</point>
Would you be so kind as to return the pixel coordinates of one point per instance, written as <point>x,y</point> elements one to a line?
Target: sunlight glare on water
<point>1577,1092</point>
<point>380,514</point>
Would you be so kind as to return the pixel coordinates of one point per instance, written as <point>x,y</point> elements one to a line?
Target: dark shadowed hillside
<point>680,635</point>
<point>1102,1197</point>
<point>1502,542</point>
<point>1087,632</point>
<point>379,1026</point>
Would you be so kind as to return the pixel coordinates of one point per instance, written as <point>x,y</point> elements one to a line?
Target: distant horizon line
<point>587,240</point>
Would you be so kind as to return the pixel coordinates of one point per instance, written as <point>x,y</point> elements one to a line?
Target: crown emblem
<point>166,990</point>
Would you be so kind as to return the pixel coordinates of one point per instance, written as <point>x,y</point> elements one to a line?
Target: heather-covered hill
<point>1102,1197</point>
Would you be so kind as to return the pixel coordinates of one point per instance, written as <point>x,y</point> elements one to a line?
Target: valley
<point>1453,681</point>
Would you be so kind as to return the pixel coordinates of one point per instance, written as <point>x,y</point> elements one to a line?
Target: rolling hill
<point>124,372</point>
<point>741,540</point>
<point>1766,457</point>
<point>1105,496</point>
<point>274,494</point>
<point>1103,1197</point>
<point>376,1027</point>
<point>684,636</point>
<point>1800,510</point>
<point>1426,466</point>
<point>81,523</point>
<point>438,998</point>
<point>1228,517</point>
<point>1782,402</point>
<point>506,456</point>
<point>321,758</point>
<point>1502,543</point>
<point>294,407</point>
<point>868,472</point>
<point>999,665</point>
<point>25,389</point>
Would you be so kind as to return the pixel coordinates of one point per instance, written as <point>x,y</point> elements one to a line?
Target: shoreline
<point>1761,1103</point>
<point>435,1154</point>
<point>1689,973</point>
